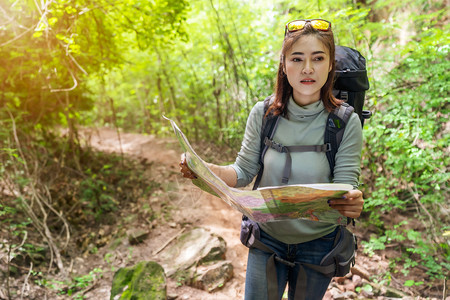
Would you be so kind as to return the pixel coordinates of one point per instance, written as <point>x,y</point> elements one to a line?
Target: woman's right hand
<point>184,169</point>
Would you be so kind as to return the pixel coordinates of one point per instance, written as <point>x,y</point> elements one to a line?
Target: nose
<point>307,67</point>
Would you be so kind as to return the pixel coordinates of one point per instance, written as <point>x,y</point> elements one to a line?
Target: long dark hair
<point>283,90</point>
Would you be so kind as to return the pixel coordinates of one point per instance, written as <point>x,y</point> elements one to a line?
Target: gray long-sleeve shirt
<point>305,125</point>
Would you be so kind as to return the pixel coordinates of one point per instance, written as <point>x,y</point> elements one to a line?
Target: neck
<point>302,101</point>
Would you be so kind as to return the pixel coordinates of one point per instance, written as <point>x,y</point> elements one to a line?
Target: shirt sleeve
<point>348,158</point>
<point>247,161</point>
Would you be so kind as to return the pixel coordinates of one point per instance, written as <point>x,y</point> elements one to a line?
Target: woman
<point>303,98</point>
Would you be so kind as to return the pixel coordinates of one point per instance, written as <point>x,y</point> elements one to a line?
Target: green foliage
<point>406,147</point>
<point>6,210</point>
<point>47,186</point>
<point>97,195</point>
<point>421,250</point>
<point>72,288</point>
<point>207,82</point>
<point>83,282</point>
<point>210,82</point>
<point>409,132</point>
<point>366,287</point>
<point>59,45</point>
<point>412,282</point>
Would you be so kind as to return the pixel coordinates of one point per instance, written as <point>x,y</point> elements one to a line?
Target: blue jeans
<point>310,252</point>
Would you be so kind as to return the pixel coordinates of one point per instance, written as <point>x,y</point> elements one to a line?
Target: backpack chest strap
<point>288,149</point>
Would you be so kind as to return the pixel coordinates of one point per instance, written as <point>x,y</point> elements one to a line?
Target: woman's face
<point>307,65</point>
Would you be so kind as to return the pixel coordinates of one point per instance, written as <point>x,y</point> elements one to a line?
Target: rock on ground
<point>146,280</point>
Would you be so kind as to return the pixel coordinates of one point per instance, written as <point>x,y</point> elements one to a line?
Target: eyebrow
<point>314,53</point>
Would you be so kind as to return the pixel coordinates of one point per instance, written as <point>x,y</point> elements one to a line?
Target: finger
<point>350,214</point>
<point>182,159</point>
<point>349,211</point>
<point>347,207</point>
<point>349,198</point>
<point>353,194</point>
<point>186,172</point>
<point>190,175</point>
<point>354,205</point>
<point>346,202</point>
<point>352,211</point>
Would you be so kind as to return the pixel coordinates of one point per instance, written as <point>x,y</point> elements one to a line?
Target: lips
<point>307,81</point>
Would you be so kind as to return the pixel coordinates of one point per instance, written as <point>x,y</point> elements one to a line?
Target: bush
<point>407,156</point>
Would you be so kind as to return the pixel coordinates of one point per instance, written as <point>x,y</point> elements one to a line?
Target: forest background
<point>72,64</point>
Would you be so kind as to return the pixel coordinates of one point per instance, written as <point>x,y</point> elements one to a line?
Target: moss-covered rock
<point>146,280</point>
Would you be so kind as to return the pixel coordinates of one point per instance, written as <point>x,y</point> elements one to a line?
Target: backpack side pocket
<point>249,228</point>
<point>343,253</point>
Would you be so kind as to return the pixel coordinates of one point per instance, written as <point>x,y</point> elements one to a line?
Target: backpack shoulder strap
<point>268,126</point>
<point>334,131</point>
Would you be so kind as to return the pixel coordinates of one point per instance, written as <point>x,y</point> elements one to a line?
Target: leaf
<point>37,34</point>
<point>409,283</point>
<point>368,288</point>
<point>52,21</point>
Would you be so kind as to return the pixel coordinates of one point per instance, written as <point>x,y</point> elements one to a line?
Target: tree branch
<point>75,84</point>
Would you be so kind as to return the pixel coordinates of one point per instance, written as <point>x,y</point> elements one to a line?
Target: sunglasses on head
<point>296,25</point>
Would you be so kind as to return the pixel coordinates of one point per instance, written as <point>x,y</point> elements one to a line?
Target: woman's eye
<point>319,58</point>
<point>296,59</point>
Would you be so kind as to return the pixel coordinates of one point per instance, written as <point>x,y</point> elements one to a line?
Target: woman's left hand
<point>184,168</point>
<point>350,205</point>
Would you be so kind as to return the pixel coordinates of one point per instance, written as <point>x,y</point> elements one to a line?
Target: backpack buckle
<point>274,145</point>
<point>322,148</point>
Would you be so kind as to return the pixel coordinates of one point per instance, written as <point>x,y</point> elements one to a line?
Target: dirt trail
<point>192,207</point>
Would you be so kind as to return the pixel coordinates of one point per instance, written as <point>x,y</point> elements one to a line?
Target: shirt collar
<point>296,111</point>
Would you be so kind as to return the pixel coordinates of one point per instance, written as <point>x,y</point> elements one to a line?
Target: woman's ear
<point>282,65</point>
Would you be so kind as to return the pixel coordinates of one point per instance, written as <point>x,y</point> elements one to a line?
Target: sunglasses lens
<point>315,23</point>
<point>320,25</point>
<point>296,25</point>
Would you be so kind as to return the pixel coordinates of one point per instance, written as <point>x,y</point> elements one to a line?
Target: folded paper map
<point>268,204</point>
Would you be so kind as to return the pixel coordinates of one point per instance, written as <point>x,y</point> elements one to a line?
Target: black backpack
<point>350,86</point>
<point>351,81</point>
